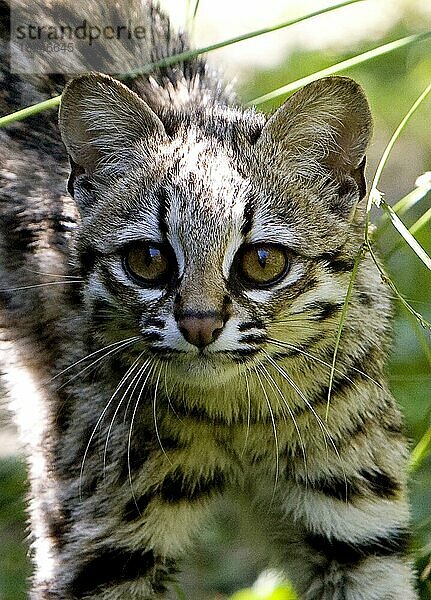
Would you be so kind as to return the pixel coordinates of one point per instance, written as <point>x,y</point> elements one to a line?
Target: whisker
<point>156,387</point>
<point>115,350</point>
<point>138,378</point>
<point>99,420</point>
<point>291,319</point>
<point>248,413</point>
<point>287,345</point>
<point>129,441</point>
<point>133,367</point>
<point>39,285</point>
<point>302,318</point>
<point>274,429</point>
<point>326,433</point>
<point>168,397</point>
<point>51,274</point>
<point>272,382</point>
<point>297,389</point>
<point>119,342</point>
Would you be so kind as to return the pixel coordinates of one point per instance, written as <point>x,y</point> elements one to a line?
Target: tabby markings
<point>348,553</point>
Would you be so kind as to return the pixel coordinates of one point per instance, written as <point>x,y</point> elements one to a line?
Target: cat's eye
<point>263,264</point>
<point>147,263</point>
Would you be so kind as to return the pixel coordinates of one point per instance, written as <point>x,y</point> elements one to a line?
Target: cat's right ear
<point>101,120</point>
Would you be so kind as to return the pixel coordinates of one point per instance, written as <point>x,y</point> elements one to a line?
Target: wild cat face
<point>202,231</point>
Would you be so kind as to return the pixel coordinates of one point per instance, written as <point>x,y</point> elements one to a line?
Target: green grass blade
<point>423,186</point>
<point>189,54</point>
<point>341,66</point>
<point>421,222</point>
<point>29,111</point>
<point>341,325</point>
<point>420,451</point>
<point>375,195</point>
<point>414,229</point>
<point>195,11</point>
<point>176,58</point>
<point>422,321</point>
<point>406,234</point>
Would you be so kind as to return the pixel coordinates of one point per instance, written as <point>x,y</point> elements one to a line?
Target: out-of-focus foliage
<point>14,567</point>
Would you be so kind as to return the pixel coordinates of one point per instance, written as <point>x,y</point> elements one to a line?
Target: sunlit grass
<point>340,66</point>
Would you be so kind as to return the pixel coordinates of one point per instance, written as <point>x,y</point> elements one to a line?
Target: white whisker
<point>118,343</point>
<point>272,382</point>
<point>129,441</point>
<point>52,274</point>
<point>323,427</point>
<point>39,285</point>
<point>133,367</point>
<point>97,361</point>
<point>99,420</point>
<point>289,346</point>
<point>156,387</point>
<point>248,413</point>
<point>274,428</point>
<point>168,397</point>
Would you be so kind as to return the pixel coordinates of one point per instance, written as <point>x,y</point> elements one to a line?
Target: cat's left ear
<point>323,129</point>
<point>102,122</point>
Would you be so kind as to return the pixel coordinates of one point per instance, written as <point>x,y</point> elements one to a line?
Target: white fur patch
<point>147,229</point>
<point>364,519</point>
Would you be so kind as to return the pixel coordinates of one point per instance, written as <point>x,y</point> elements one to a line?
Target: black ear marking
<point>359,176</point>
<point>75,171</point>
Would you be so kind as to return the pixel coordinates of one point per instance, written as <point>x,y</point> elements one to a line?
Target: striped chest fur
<point>208,251</point>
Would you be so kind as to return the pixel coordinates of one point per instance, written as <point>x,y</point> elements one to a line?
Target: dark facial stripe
<point>154,322</point>
<point>324,310</point>
<point>253,339</point>
<point>151,336</point>
<point>111,567</point>
<point>349,553</point>
<point>177,486</point>
<point>163,210</point>
<point>87,258</point>
<point>166,352</point>
<point>365,299</point>
<point>342,383</point>
<point>299,349</point>
<point>247,217</point>
<point>336,263</point>
<point>243,354</point>
<point>135,507</point>
<point>341,265</point>
<point>251,325</point>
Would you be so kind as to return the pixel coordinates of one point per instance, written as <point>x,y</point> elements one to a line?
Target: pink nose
<point>200,330</point>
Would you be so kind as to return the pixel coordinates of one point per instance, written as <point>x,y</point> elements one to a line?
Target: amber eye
<point>263,264</point>
<point>148,263</point>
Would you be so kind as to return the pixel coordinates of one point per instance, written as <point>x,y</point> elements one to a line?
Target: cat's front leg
<point>119,546</point>
<point>353,546</point>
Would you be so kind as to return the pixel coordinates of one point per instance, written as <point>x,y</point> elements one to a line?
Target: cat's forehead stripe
<point>248,215</point>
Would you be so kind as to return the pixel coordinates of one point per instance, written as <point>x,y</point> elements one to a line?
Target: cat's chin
<point>203,372</point>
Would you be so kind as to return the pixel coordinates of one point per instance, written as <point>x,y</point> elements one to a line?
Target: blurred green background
<point>392,83</point>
